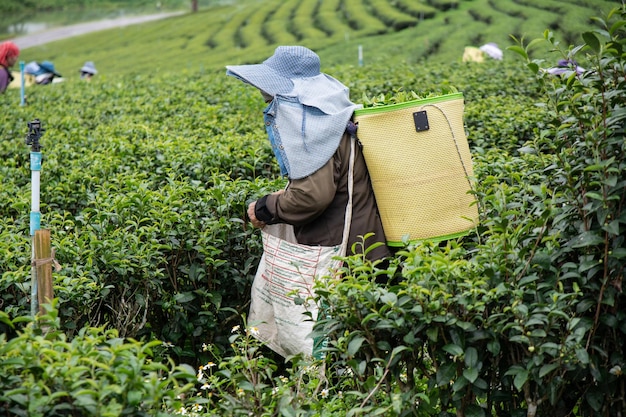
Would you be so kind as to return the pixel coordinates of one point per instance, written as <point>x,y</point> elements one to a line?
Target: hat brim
<point>262,77</point>
<point>45,68</point>
<point>89,70</point>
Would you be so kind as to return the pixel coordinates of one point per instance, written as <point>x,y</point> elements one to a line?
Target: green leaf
<point>619,253</point>
<point>355,345</point>
<point>518,50</point>
<point>586,239</point>
<point>389,298</point>
<point>520,379</point>
<point>546,369</point>
<point>595,398</point>
<point>445,374</point>
<point>493,347</point>
<point>595,196</point>
<point>454,350</point>
<point>134,397</point>
<point>471,357</point>
<point>591,40</point>
<point>583,356</point>
<point>470,374</point>
<point>184,297</point>
<point>534,42</point>
<point>612,228</point>
<point>432,333</point>
<point>616,26</point>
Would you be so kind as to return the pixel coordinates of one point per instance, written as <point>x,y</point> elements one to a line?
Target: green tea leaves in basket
<point>402,96</point>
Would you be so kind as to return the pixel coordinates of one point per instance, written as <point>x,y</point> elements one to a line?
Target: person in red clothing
<point>9,52</point>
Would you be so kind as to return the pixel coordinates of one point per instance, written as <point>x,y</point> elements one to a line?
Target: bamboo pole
<point>43,264</point>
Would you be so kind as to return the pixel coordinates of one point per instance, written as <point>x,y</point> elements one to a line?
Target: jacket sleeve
<point>303,200</point>
<point>4,79</point>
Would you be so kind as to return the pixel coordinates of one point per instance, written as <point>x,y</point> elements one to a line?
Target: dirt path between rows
<point>63,32</point>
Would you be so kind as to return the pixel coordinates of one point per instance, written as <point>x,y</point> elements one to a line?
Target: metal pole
<point>32,139</point>
<point>360,55</point>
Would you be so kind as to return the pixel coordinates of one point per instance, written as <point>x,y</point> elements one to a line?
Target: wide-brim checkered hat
<point>315,107</point>
<point>275,75</point>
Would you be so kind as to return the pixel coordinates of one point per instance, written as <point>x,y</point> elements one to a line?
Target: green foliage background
<point>145,182</point>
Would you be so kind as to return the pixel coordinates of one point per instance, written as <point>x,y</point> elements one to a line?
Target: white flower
<point>205,386</point>
<point>254,331</point>
<point>616,370</point>
<point>324,393</point>
<point>235,329</point>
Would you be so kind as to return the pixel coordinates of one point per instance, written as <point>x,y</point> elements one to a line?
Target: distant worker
<point>473,54</point>
<point>43,73</point>
<point>566,66</point>
<point>8,57</point>
<point>88,70</point>
<point>492,50</point>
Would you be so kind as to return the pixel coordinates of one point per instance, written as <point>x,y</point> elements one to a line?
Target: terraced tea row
<point>295,21</point>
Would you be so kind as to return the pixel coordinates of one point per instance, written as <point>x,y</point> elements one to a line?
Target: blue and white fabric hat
<point>89,68</point>
<point>47,67</point>
<point>32,68</point>
<point>311,130</point>
<point>275,75</point>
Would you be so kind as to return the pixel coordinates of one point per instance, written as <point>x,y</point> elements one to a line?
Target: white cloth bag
<point>283,308</point>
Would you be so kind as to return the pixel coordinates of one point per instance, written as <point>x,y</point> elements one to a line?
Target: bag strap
<point>348,217</point>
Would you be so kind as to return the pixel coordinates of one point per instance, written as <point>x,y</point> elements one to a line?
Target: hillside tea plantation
<point>390,32</point>
<point>145,182</point>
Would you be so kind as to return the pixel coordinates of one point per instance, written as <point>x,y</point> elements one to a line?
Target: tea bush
<point>147,206</point>
<point>97,373</point>
<point>524,317</point>
<point>145,182</point>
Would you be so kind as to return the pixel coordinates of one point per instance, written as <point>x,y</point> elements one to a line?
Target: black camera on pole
<point>35,131</point>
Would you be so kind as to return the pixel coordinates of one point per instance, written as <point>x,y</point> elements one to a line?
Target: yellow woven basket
<point>421,168</point>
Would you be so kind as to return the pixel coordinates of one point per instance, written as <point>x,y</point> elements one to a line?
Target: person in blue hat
<point>43,72</point>
<point>308,120</point>
<point>88,70</point>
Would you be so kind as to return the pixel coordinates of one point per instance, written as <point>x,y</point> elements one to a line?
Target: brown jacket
<point>316,205</point>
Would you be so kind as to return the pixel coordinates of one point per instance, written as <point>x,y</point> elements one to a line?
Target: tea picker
<point>42,255</point>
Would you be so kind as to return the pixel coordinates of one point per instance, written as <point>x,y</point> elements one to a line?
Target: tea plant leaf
<point>591,40</point>
<point>355,345</point>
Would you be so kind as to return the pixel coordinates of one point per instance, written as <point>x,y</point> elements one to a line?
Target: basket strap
<point>348,217</point>
<point>456,144</point>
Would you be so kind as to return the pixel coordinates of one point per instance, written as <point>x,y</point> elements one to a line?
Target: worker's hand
<point>255,222</point>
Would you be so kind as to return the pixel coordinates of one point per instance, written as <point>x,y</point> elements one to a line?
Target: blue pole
<point>35,169</point>
<point>35,224</point>
<point>34,134</point>
<point>22,95</point>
